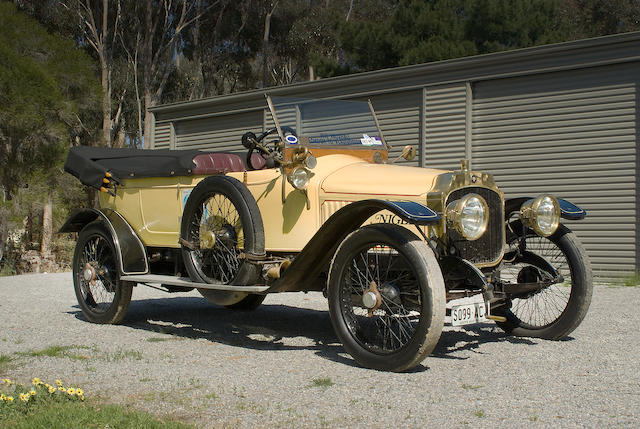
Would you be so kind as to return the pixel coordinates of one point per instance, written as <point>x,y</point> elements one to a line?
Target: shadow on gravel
<point>271,325</point>
<point>266,328</point>
<point>471,338</point>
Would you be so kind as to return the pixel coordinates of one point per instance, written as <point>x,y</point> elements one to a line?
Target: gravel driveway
<point>282,365</point>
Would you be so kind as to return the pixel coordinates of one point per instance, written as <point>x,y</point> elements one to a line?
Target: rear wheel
<point>556,310</point>
<point>386,297</point>
<point>221,221</point>
<point>102,296</point>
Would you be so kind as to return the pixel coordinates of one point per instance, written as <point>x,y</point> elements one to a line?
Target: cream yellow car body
<point>153,206</point>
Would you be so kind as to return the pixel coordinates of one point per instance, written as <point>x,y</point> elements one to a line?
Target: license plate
<point>467,314</point>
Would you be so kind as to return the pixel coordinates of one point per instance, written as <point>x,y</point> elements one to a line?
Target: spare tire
<point>221,221</point>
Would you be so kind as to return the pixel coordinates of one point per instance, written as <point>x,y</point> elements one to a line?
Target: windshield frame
<point>306,140</point>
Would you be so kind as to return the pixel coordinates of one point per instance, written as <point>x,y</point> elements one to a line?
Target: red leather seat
<point>219,163</point>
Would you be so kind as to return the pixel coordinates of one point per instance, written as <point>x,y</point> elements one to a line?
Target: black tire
<point>555,311</point>
<point>102,296</point>
<point>223,206</point>
<point>406,327</point>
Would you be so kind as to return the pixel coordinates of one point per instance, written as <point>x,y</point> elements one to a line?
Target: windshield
<point>349,124</point>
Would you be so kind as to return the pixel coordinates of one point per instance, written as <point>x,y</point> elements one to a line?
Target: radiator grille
<point>488,248</point>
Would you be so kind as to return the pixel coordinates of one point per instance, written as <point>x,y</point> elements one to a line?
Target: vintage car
<point>316,204</point>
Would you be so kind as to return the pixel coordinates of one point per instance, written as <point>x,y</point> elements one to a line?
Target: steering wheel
<point>272,155</point>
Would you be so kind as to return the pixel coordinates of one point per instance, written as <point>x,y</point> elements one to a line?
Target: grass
<point>57,352</point>
<point>158,339</point>
<point>479,414</point>
<point>80,415</point>
<point>119,355</point>
<point>73,352</point>
<point>5,363</point>
<point>322,382</point>
<point>630,280</point>
<point>57,406</point>
<point>471,387</point>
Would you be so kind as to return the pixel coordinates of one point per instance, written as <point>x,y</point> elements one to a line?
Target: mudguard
<point>568,210</point>
<point>318,252</point>
<point>132,255</point>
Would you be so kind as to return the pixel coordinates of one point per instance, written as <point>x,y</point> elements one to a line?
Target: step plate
<point>186,282</point>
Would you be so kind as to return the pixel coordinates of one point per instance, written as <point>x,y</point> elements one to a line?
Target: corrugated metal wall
<point>572,134</point>
<point>218,133</point>
<point>399,117</point>
<point>162,139</point>
<point>445,126</point>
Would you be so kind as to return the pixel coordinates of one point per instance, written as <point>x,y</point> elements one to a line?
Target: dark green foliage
<point>48,90</point>
<point>45,82</point>
<point>418,31</point>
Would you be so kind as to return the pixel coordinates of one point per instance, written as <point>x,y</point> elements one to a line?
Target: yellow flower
<point>62,389</point>
<point>9,398</point>
<point>71,391</point>
<point>59,383</point>
<point>36,381</point>
<point>1,397</point>
<point>81,397</point>
<point>8,382</point>
<point>32,392</point>
<point>79,392</point>
<point>24,397</point>
<point>52,389</point>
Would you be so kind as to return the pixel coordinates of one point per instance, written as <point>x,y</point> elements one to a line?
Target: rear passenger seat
<point>211,163</point>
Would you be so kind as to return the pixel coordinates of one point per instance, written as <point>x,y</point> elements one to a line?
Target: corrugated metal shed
<point>559,118</point>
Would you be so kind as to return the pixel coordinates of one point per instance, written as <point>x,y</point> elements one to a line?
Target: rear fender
<point>132,255</point>
<point>318,252</point>
<point>568,210</point>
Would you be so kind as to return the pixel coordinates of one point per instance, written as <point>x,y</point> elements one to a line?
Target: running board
<point>186,282</point>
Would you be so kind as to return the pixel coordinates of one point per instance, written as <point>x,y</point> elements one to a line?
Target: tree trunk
<point>147,118</point>
<point>350,10</point>
<point>265,45</point>
<point>47,228</point>
<point>105,75</point>
<point>106,107</point>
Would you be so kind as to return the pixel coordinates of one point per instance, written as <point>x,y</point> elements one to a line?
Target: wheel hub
<point>227,234</point>
<point>207,239</point>
<point>89,274</point>
<point>371,298</point>
<point>391,292</point>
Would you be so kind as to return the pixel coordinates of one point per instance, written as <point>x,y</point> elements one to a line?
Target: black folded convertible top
<point>89,164</point>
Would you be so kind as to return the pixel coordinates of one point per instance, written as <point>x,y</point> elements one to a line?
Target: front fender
<point>568,210</point>
<point>320,249</point>
<point>132,255</point>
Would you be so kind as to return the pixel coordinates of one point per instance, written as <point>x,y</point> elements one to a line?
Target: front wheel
<point>102,296</point>
<point>554,311</point>
<point>386,297</point>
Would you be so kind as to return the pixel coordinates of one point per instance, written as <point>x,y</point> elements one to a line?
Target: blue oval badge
<point>291,139</point>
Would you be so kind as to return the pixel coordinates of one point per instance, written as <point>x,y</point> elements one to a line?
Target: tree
<point>45,84</point>
<point>98,22</point>
<point>159,29</point>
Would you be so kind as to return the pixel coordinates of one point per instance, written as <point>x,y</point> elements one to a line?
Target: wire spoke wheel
<point>220,222</point>
<point>98,292</point>
<point>217,230</point>
<point>557,308</point>
<point>101,295</point>
<point>542,308</point>
<point>386,297</point>
<point>390,327</point>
